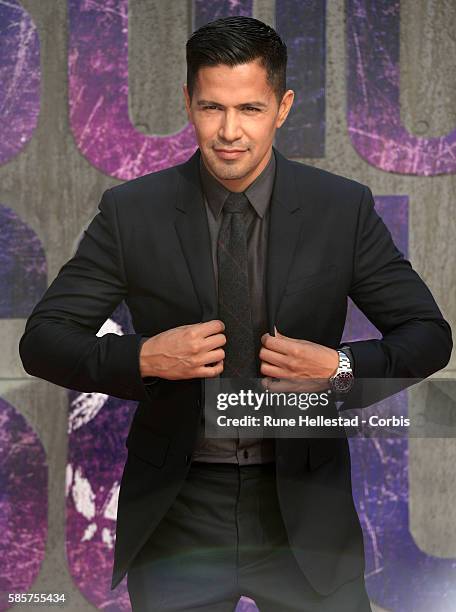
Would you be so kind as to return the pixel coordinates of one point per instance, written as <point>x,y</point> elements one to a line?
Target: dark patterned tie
<point>233,288</point>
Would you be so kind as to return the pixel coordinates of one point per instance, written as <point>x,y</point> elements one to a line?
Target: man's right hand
<point>188,351</point>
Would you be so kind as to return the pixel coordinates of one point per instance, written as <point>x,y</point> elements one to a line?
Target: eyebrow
<point>212,103</point>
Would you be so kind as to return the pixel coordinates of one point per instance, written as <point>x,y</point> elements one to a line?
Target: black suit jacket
<point>149,245</point>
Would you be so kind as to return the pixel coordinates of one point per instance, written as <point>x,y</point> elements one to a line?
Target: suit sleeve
<point>60,344</point>
<point>149,380</point>
<point>416,341</point>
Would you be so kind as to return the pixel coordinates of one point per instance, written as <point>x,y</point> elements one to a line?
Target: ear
<point>284,107</point>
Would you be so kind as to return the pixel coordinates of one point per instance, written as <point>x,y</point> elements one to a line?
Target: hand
<point>305,366</point>
<point>188,351</point>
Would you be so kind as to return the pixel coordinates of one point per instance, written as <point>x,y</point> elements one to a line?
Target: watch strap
<point>347,350</point>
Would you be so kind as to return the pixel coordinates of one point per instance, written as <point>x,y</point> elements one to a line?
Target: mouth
<point>229,153</point>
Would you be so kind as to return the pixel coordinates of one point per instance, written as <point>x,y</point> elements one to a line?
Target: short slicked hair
<point>238,40</point>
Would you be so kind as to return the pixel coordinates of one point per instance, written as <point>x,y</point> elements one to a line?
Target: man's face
<point>235,113</point>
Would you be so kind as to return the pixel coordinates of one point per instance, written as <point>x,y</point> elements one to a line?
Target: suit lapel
<point>193,231</point>
<point>284,229</point>
<point>286,219</point>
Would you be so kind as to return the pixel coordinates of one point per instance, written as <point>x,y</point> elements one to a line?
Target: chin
<point>230,172</point>
<point>226,176</point>
<point>229,169</point>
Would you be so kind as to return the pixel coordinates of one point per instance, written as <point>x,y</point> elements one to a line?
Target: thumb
<point>280,335</point>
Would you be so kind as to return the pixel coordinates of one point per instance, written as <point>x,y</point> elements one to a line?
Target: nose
<point>230,129</point>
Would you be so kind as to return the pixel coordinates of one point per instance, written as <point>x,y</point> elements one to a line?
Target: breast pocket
<point>325,275</point>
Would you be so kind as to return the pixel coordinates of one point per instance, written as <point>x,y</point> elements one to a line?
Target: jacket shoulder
<point>149,184</point>
<point>326,183</point>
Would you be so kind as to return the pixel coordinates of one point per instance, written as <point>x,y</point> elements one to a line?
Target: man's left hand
<point>299,364</point>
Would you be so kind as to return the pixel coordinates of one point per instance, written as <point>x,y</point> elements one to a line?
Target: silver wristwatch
<point>343,379</point>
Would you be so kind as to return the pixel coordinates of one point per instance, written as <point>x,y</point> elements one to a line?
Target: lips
<point>229,153</point>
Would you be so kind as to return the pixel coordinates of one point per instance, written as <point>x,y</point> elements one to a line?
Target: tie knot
<point>236,203</point>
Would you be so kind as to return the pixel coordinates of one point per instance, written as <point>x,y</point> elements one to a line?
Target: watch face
<point>343,382</point>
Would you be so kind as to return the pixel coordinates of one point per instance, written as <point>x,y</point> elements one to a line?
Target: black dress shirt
<point>241,450</point>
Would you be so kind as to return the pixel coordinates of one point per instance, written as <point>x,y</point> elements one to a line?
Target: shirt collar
<point>258,193</point>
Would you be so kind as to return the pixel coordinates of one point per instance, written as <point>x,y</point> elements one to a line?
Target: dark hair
<point>238,40</point>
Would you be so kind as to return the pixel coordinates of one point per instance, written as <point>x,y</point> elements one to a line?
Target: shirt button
<point>246,454</point>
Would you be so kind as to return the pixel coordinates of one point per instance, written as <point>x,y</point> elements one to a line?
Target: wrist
<point>334,363</point>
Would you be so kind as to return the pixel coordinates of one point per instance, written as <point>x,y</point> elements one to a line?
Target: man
<point>236,263</point>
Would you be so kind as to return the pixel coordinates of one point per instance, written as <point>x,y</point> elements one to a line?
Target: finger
<point>279,345</point>
<point>211,357</point>
<point>269,369</point>
<point>278,359</point>
<point>280,335</point>
<point>212,342</point>
<point>211,327</point>
<point>209,371</point>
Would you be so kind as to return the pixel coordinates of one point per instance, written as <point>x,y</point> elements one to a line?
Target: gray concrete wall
<point>57,191</point>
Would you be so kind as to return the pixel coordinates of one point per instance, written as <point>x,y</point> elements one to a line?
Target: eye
<point>251,109</point>
<point>210,107</point>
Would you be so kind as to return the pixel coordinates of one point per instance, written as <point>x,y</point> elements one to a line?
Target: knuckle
<point>194,347</point>
<point>295,352</point>
<point>192,333</point>
<point>292,363</point>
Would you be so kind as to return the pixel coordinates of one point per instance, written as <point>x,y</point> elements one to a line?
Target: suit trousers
<point>222,538</point>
